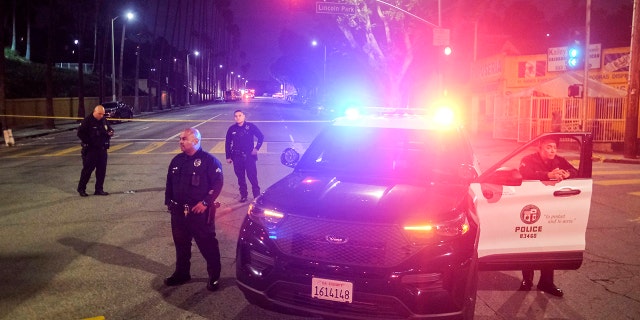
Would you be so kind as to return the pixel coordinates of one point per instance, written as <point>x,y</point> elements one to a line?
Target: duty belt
<point>187,207</point>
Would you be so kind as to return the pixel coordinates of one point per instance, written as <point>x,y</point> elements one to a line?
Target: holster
<point>211,212</point>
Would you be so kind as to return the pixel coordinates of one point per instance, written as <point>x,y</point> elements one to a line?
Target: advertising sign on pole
<point>557,57</point>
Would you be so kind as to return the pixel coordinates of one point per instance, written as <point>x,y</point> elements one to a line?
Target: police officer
<point>240,150</point>
<point>194,181</point>
<point>545,165</point>
<point>95,135</point>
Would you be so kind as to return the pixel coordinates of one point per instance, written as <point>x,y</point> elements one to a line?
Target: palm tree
<point>3,111</point>
<point>81,10</point>
<point>48,121</point>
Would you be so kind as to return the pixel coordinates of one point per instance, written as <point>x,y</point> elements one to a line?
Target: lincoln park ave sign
<point>335,8</point>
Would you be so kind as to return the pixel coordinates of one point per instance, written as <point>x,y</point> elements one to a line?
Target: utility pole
<point>631,121</point>
<point>585,55</point>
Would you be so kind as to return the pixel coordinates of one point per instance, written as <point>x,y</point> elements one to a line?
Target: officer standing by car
<point>240,150</point>
<point>194,181</point>
<point>545,165</point>
<point>95,134</point>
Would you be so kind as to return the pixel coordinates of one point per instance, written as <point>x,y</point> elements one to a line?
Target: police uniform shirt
<point>93,132</point>
<point>190,178</point>
<point>533,167</point>
<point>239,139</point>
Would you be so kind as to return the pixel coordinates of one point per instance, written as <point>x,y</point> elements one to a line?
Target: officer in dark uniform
<point>95,134</point>
<point>240,151</point>
<point>545,165</point>
<point>194,181</point>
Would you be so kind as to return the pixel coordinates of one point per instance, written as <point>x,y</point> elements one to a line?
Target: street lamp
<point>196,53</point>
<point>129,16</point>
<point>217,82</point>
<point>324,64</point>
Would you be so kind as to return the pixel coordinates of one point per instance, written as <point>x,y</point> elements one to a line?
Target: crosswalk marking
<point>152,146</point>
<point>119,146</point>
<point>617,182</point>
<point>609,172</point>
<point>64,151</point>
<point>30,152</point>
<point>219,148</point>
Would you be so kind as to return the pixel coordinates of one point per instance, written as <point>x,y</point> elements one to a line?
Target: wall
<point>32,112</point>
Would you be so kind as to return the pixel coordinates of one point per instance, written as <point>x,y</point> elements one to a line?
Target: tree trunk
<point>3,108</point>
<point>13,26</point>
<point>48,122</point>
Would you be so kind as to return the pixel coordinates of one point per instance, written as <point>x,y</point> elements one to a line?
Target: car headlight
<point>268,218</point>
<point>423,233</point>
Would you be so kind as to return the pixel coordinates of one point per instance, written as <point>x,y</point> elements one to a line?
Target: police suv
<point>389,216</point>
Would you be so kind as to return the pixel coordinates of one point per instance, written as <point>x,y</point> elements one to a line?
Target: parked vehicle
<point>117,110</point>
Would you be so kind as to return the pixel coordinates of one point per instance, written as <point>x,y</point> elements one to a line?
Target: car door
<point>532,223</point>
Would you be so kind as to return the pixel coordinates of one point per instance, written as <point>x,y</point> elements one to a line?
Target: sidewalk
<point>64,125</point>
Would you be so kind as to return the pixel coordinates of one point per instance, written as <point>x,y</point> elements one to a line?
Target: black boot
<point>546,283</point>
<point>527,280</point>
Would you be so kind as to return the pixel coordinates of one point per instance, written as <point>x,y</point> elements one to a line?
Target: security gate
<point>523,118</point>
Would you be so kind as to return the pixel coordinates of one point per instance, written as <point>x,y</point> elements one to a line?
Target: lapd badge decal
<point>197,162</point>
<point>530,214</point>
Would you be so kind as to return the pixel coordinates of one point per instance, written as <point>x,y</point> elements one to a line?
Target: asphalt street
<point>66,257</point>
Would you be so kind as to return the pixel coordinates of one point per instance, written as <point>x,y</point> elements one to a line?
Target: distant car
<point>117,110</point>
<point>231,95</point>
<point>278,95</point>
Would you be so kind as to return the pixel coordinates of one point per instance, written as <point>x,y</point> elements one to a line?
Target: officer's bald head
<point>98,112</point>
<point>190,140</point>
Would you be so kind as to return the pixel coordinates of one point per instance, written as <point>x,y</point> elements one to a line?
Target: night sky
<point>261,21</point>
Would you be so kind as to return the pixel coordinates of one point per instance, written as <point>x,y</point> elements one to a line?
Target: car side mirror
<point>504,176</point>
<point>289,157</point>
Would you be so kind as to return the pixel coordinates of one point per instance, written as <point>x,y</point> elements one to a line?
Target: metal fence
<point>524,118</point>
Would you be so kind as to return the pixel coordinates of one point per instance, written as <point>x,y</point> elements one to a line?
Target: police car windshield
<point>390,153</point>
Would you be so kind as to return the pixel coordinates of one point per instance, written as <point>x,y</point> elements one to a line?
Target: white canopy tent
<point>557,88</point>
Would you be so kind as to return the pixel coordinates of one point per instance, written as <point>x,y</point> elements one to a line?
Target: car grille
<point>355,244</point>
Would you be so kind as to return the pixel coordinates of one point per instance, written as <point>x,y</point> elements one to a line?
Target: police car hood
<point>362,199</point>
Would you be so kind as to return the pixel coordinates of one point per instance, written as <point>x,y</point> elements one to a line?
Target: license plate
<point>333,290</point>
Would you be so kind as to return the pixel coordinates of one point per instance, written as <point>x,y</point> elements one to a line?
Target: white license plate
<point>333,290</point>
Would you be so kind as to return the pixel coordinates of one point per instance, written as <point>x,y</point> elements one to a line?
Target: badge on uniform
<point>197,162</point>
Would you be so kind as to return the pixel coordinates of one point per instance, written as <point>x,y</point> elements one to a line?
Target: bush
<point>25,79</point>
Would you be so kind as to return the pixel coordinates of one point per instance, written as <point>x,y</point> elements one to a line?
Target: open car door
<point>533,223</point>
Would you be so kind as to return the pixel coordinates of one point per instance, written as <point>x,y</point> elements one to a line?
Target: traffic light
<point>575,57</point>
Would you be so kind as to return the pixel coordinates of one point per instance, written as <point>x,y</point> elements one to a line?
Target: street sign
<point>441,37</point>
<point>335,8</point>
